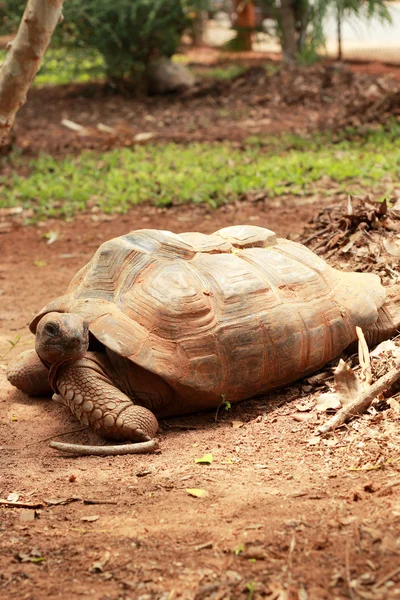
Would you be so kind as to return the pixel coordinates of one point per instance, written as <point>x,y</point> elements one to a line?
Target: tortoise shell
<point>234,313</point>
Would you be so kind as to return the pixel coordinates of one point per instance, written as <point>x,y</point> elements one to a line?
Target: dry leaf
<point>237,424</point>
<point>314,441</point>
<point>74,126</point>
<point>143,137</point>
<point>13,497</point>
<point>204,460</point>
<point>98,565</point>
<point>391,247</point>
<point>386,346</point>
<point>328,401</point>
<point>196,492</point>
<point>394,405</point>
<point>105,128</point>
<point>346,383</point>
<point>51,237</point>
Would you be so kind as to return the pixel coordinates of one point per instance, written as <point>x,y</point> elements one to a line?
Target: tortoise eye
<point>51,328</point>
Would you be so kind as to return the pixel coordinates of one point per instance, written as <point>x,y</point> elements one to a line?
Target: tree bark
<point>288,26</point>
<point>24,56</point>
<point>339,28</point>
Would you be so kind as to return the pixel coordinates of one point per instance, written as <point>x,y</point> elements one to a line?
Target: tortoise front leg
<point>97,403</point>
<point>28,374</point>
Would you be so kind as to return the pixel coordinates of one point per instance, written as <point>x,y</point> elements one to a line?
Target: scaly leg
<point>28,374</point>
<point>97,403</point>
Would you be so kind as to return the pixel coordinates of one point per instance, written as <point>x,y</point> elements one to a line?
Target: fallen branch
<point>83,450</point>
<point>360,403</point>
<point>24,56</point>
<point>11,504</point>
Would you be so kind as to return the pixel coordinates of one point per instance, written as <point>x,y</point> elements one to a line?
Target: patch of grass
<point>75,66</point>
<point>228,71</point>
<point>214,174</point>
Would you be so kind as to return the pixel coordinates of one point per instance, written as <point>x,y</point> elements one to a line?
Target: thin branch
<point>113,450</point>
<point>361,402</point>
<point>24,56</point>
<point>20,504</point>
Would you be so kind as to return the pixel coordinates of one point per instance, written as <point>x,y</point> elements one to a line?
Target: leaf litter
<point>362,236</point>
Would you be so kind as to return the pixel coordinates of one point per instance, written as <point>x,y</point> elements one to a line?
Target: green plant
<point>215,174</point>
<point>225,403</point>
<point>127,33</point>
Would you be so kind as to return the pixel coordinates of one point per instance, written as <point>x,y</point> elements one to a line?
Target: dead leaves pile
<point>352,97</point>
<point>358,235</point>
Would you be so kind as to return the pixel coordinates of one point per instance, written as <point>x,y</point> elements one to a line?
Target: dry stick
<point>83,450</point>
<point>363,356</point>
<point>386,578</point>
<point>362,402</point>
<point>25,53</point>
<point>20,504</point>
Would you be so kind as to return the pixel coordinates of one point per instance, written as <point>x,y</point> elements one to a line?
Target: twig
<point>83,450</point>
<point>388,487</point>
<point>20,504</point>
<point>386,578</point>
<point>363,356</point>
<point>316,234</point>
<point>58,435</point>
<point>347,571</point>
<point>361,403</point>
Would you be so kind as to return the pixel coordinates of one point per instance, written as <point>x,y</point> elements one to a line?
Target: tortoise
<point>160,324</point>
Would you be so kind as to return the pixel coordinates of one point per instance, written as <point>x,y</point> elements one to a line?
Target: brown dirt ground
<point>257,102</point>
<point>284,519</point>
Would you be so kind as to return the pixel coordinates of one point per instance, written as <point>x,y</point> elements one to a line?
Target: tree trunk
<point>24,56</point>
<point>288,26</point>
<point>198,26</point>
<point>339,18</point>
<point>245,23</point>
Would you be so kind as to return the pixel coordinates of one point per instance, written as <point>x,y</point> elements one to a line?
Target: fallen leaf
<point>204,460</point>
<point>327,402</point>
<point>74,126</point>
<point>237,424</point>
<point>346,386</point>
<point>386,346</point>
<point>143,137</point>
<point>105,128</point>
<point>51,237</point>
<point>391,247</point>
<point>98,565</point>
<point>90,518</point>
<point>33,557</point>
<point>196,492</point>
<point>314,440</point>
<point>13,497</point>
<point>394,405</point>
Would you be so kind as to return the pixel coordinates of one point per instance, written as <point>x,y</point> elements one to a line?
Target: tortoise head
<point>61,337</point>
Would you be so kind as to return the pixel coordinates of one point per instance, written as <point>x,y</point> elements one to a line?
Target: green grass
<point>222,72</point>
<point>74,66</point>
<point>213,174</point>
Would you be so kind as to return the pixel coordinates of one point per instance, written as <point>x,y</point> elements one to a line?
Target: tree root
<point>361,403</point>
<point>113,450</point>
